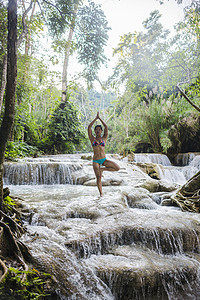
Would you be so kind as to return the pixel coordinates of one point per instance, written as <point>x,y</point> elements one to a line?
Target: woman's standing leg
<point>98,174</point>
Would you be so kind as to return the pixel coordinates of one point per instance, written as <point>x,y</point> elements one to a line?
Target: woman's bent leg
<point>110,166</point>
<point>98,174</point>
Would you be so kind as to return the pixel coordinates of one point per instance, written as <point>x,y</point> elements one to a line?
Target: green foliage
<point>141,55</point>
<point>37,97</point>
<point>19,149</point>
<point>93,27</point>
<point>150,66</point>
<point>65,133</point>
<point>9,201</point>
<point>90,27</point>
<point>13,287</point>
<point>8,204</point>
<point>60,15</point>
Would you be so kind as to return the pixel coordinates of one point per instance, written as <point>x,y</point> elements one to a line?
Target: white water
<point>181,174</point>
<point>185,159</point>
<point>141,250</point>
<point>152,158</point>
<point>189,165</point>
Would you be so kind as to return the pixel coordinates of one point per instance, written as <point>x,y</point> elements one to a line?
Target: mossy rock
<point>88,157</point>
<point>150,169</point>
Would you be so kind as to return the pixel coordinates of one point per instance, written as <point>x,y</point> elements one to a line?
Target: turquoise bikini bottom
<point>100,161</point>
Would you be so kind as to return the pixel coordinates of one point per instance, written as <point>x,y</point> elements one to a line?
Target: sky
<point>125,16</point>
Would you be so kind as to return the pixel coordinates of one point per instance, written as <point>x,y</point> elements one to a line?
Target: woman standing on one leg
<point>99,158</point>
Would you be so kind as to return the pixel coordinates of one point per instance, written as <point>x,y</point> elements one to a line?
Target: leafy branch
<point>186,97</point>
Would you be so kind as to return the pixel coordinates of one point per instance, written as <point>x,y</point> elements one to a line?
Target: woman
<point>99,158</point>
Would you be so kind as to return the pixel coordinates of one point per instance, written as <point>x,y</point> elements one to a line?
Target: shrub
<point>19,149</point>
<point>65,133</point>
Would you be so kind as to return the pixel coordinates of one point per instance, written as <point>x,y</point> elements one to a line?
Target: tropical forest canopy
<point>140,102</point>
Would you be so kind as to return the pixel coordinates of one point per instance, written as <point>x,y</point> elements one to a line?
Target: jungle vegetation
<point>151,102</point>
<point>141,103</point>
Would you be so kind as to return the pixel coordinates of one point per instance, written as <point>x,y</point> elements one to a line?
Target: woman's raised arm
<point>90,128</point>
<point>105,136</point>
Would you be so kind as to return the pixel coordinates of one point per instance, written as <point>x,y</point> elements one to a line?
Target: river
<point>124,245</point>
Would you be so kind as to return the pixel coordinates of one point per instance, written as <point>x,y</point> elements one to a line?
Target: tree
<point>141,55</point>
<point>3,53</point>
<point>8,118</point>
<point>89,25</point>
<point>65,133</point>
<point>141,58</point>
<point>184,61</point>
<point>150,66</point>
<point>92,36</point>
<point>190,28</point>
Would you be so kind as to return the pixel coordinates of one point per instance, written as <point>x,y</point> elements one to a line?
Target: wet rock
<point>151,185</point>
<point>6,192</point>
<point>140,200</point>
<point>116,182</point>
<point>131,157</point>
<point>83,175</point>
<point>132,271</point>
<point>137,190</point>
<point>167,202</point>
<point>93,182</point>
<point>86,157</point>
<point>115,156</point>
<point>157,197</point>
<point>105,182</point>
<point>90,207</point>
<point>155,186</point>
<point>166,186</point>
<point>150,168</point>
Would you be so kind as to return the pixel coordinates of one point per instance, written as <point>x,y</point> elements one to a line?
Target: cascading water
<point>152,158</point>
<point>184,159</point>
<point>187,165</point>
<point>120,246</point>
<point>38,173</point>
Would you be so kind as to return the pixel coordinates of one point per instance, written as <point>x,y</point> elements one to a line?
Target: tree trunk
<point>186,97</point>
<point>188,197</point>
<point>9,114</point>
<point>3,80</point>
<point>4,71</point>
<point>67,54</point>
<point>28,42</point>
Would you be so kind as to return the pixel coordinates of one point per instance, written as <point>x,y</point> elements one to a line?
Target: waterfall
<point>152,158</point>
<point>75,279</point>
<point>59,169</point>
<point>184,159</point>
<point>116,247</point>
<point>38,173</point>
<point>190,165</point>
<point>172,174</point>
<point>195,162</point>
